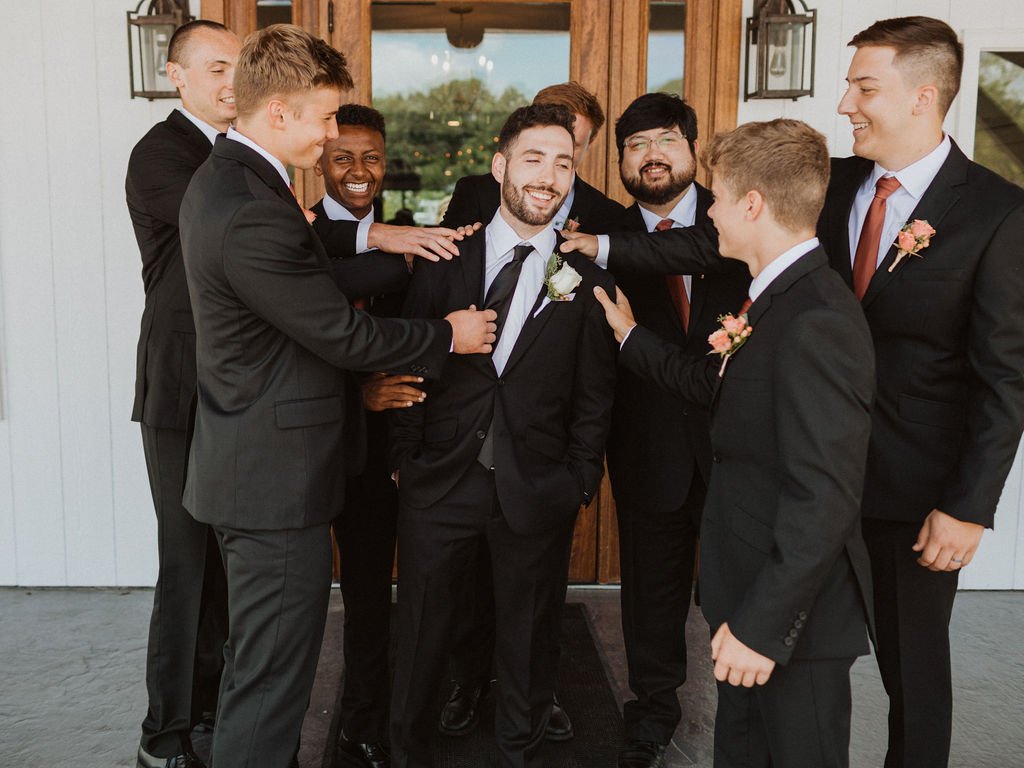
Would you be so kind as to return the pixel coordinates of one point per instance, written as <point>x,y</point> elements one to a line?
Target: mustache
<point>535,188</point>
<point>647,166</point>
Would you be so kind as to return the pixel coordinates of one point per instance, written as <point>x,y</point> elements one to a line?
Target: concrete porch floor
<point>72,691</point>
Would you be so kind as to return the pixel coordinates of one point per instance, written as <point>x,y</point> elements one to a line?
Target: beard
<point>515,201</point>
<point>661,192</point>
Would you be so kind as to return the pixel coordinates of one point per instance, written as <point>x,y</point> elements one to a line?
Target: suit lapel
<point>252,159</point>
<point>471,258</point>
<point>841,198</point>
<point>190,132</point>
<point>938,199</point>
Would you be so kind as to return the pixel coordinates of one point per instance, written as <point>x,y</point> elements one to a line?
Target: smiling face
<point>353,167</point>
<point>657,166</point>
<point>893,121</point>
<point>535,173</point>
<point>729,213</point>
<point>204,76</point>
<point>306,122</point>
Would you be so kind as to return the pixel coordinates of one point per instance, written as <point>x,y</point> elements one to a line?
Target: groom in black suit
<point>189,621</point>
<point>504,449</point>
<point>273,335</point>
<point>784,570</point>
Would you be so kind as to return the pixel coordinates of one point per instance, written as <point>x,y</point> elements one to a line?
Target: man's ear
<point>276,113</point>
<point>755,205</point>
<point>498,167</point>
<point>175,74</point>
<point>317,169</point>
<point>927,97</point>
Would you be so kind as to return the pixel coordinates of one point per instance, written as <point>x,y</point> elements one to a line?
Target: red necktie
<point>676,286</point>
<point>866,257</point>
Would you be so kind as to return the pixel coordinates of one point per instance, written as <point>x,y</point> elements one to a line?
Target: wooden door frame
<point>608,56</point>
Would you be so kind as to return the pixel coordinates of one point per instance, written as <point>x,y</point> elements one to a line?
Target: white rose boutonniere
<point>560,279</point>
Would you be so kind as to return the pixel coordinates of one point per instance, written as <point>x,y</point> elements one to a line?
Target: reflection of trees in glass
<point>670,86</point>
<point>999,137</point>
<point>444,133</point>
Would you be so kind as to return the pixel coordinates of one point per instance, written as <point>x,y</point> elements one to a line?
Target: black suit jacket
<point>273,334</point>
<point>949,336</point>
<point>550,408</point>
<point>159,170</point>
<point>659,441</point>
<point>782,559</point>
<point>476,198</point>
<point>947,333</point>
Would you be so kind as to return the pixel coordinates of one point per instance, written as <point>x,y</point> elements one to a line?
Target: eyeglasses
<point>670,141</point>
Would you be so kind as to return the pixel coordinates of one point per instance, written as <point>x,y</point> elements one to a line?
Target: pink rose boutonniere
<point>310,216</point>
<point>730,337</point>
<point>571,225</point>
<point>913,238</point>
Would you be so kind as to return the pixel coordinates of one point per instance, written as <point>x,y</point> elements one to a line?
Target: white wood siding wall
<point>74,498</point>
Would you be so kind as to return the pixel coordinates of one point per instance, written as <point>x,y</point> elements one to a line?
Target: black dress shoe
<point>559,725</point>
<point>362,754</point>
<point>642,754</point>
<point>459,715</point>
<point>186,759</point>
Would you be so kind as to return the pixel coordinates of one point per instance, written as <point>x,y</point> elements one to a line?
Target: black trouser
<point>365,532</point>
<point>657,550</point>
<point>799,719</point>
<point>279,584</point>
<point>436,548</point>
<point>912,611</point>
<point>188,625</point>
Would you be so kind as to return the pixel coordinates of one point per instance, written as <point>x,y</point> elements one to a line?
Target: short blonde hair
<point>787,161</point>
<point>575,98</point>
<point>283,59</point>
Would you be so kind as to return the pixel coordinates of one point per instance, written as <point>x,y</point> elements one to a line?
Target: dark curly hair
<point>533,116</point>
<point>360,114</point>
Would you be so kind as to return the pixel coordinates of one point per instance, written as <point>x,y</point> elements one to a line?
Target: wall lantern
<point>780,51</point>
<point>149,34</point>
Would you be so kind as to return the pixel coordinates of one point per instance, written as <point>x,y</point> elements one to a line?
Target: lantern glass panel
<point>785,70</point>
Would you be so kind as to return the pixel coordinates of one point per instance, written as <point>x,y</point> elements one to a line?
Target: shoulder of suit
<point>994,186</point>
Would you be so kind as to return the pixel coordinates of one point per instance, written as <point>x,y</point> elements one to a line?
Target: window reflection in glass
<point>445,77</point>
<point>999,133</point>
<point>666,46</point>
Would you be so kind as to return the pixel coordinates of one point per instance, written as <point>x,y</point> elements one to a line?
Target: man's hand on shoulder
<point>431,243</point>
<point>618,313</point>
<point>473,330</point>
<point>736,663</point>
<point>383,393</point>
<point>579,242</point>
<point>945,543</point>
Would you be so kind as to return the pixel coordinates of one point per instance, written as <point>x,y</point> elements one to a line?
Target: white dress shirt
<point>337,212</point>
<point>278,165</point>
<point>208,130</point>
<point>779,265</point>
<point>914,181</point>
<point>501,240</point>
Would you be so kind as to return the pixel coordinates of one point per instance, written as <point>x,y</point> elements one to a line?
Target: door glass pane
<point>666,46</point>
<point>445,77</point>
<point>999,132</point>
<point>273,12</point>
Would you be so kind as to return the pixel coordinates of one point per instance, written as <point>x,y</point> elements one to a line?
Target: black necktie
<point>503,287</point>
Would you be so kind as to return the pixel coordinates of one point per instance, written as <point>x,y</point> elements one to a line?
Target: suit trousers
<point>913,607</point>
<point>800,718</point>
<point>188,626</point>
<point>279,584</point>
<point>436,549</point>
<point>657,549</point>
<point>365,532</point>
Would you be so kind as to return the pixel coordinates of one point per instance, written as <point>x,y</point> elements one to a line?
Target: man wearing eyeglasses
<point>659,453</point>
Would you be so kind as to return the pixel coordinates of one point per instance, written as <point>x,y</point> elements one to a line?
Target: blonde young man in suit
<point>273,337</point>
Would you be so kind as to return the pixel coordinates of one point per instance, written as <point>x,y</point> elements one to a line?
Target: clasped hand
<point>736,663</point>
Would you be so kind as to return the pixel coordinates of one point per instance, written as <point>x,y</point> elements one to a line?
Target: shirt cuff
<point>603,247</point>
<point>363,236</point>
<point>626,337</point>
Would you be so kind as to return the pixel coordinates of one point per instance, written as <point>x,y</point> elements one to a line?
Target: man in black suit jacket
<point>504,449</point>
<point>476,199</point>
<point>659,451</point>
<point>784,570</point>
<point>949,353</point>
<point>353,167</point>
<point>273,335</point>
<point>189,621</point>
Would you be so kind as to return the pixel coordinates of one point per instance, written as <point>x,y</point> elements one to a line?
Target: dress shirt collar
<point>337,212</point>
<point>278,165</point>
<point>208,130</point>
<point>501,238</point>
<point>918,176</point>
<point>684,214</point>
<point>562,216</point>
<point>779,265</point>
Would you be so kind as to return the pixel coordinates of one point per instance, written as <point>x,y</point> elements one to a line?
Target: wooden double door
<point>602,44</point>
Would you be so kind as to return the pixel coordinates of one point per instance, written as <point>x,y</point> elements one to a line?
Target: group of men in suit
<point>494,454</point>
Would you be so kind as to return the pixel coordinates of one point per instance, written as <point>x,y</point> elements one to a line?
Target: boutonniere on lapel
<point>310,216</point>
<point>560,279</point>
<point>729,338</point>
<point>572,225</point>
<point>913,238</point>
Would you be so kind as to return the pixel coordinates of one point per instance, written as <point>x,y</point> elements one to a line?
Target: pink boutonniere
<point>571,225</point>
<point>729,338</point>
<point>310,216</point>
<point>913,238</point>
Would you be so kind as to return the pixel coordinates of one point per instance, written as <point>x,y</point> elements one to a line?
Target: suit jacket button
<point>481,434</point>
<point>717,459</point>
<point>788,642</point>
<point>798,624</point>
<point>793,632</point>
<point>802,615</point>
<point>686,411</point>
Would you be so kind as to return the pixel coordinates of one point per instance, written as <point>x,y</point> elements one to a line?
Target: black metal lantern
<point>149,35</point>
<point>780,51</point>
